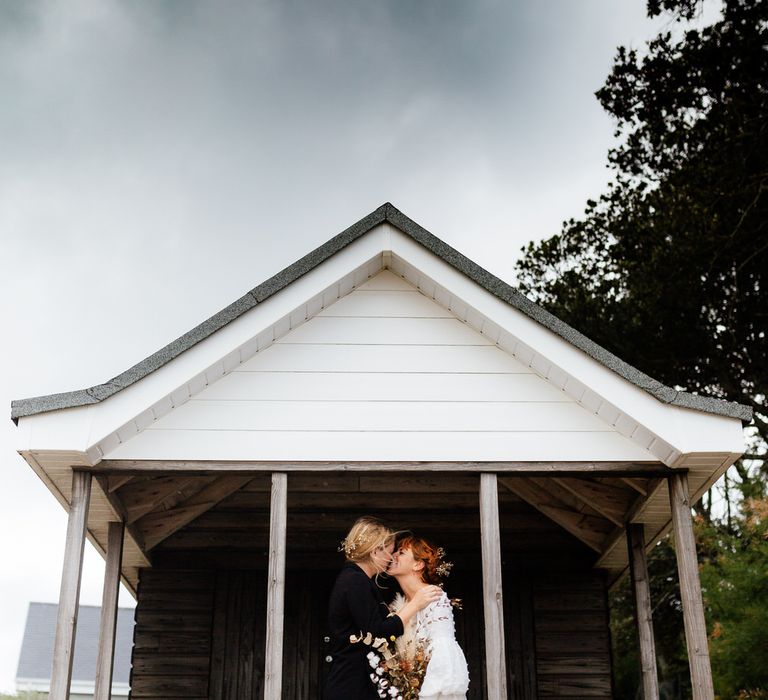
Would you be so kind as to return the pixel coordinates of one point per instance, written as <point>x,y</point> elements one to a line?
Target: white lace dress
<point>447,677</point>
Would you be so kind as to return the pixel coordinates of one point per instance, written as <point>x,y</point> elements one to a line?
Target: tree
<point>669,268</point>
<point>734,578</point>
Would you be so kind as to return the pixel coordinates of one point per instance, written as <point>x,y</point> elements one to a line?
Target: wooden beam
<point>155,527</point>
<point>591,530</point>
<point>69,594</point>
<point>493,603</point>
<point>635,512</point>
<point>115,482</point>
<point>611,502</point>
<point>690,589</point>
<point>640,485</point>
<point>129,466</point>
<point>145,495</point>
<point>108,626</point>
<point>117,506</point>
<point>278,518</point>
<point>638,566</point>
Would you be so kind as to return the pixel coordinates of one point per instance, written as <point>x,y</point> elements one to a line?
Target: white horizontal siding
<point>404,416</point>
<point>384,373</point>
<point>390,358</point>
<point>377,446</point>
<point>401,386</point>
<point>384,330</point>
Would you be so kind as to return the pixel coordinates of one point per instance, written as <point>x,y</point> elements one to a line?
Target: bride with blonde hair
<point>418,565</point>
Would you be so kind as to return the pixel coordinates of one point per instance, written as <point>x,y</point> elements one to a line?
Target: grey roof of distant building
<point>37,646</point>
<point>385,213</point>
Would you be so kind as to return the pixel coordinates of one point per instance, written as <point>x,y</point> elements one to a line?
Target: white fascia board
<point>82,429</point>
<point>63,430</point>
<point>686,430</point>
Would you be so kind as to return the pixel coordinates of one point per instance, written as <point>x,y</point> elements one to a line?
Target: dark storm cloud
<point>208,114</point>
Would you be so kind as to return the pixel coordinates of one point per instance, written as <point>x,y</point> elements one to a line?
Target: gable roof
<point>386,213</point>
<point>36,657</point>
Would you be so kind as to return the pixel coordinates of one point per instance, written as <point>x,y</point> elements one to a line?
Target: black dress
<point>356,606</point>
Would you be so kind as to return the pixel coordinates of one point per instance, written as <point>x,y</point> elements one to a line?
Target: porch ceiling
<point>224,519</point>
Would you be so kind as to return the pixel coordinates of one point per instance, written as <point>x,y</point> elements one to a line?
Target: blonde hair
<point>365,537</point>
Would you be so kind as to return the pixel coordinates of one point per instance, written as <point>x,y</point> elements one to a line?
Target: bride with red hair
<point>417,564</point>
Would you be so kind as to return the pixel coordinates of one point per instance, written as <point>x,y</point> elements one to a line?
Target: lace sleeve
<point>438,619</point>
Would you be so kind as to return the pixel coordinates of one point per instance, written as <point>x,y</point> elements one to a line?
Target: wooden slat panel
<point>381,386</point>
<point>237,656</point>
<point>579,687</point>
<point>377,446</point>
<point>172,637</point>
<point>176,686</point>
<point>170,642</point>
<point>164,664</point>
<point>392,358</point>
<point>385,331</point>
<point>382,415</point>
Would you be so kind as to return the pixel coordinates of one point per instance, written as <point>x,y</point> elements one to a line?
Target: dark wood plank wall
<point>200,635</point>
<point>572,637</point>
<point>172,635</point>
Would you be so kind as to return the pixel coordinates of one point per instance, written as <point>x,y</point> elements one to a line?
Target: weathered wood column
<point>105,660</point>
<point>273,653</point>
<point>690,588</point>
<point>493,602</point>
<point>69,594</point>
<point>638,567</point>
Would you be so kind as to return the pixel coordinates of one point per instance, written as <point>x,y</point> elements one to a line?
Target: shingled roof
<point>390,214</point>
<point>36,658</point>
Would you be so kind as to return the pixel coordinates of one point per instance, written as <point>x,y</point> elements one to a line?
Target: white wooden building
<point>382,373</point>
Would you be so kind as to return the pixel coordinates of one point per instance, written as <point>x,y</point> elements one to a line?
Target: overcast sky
<point>160,158</point>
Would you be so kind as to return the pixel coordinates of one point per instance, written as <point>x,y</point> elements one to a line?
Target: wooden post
<point>69,594</point>
<point>690,588</point>
<point>273,653</point>
<point>638,567</point>
<point>493,602</point>
<point>108,626</point>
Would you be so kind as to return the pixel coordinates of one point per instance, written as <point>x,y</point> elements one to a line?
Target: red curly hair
<point>425,552</point>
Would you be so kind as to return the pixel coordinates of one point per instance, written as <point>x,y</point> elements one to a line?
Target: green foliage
<point>734,582</point>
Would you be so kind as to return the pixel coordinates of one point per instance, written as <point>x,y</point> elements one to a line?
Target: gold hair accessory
<point>348,547</point>
<point>443,569</point>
